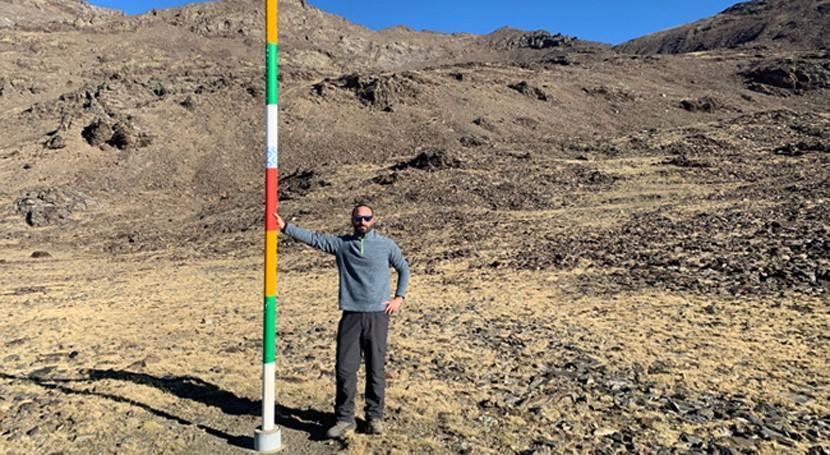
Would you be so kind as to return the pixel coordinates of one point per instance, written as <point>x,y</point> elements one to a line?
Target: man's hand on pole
<point>280,222</point>
<point>392,306</point>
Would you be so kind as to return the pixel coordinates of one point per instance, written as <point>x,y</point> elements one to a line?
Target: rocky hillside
<point>52,14</point>
<point>758,24</point>
<point>145,133</point>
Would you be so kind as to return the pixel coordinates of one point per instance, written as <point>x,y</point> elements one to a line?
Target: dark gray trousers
<point>361,333</point>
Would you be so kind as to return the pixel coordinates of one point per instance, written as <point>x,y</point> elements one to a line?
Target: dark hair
<point>354,210</point>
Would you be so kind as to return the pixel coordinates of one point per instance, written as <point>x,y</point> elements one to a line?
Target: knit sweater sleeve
<point>398,261</point>
<point>324,242</point>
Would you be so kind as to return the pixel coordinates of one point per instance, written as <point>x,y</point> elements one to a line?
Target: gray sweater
<point>363,264</point>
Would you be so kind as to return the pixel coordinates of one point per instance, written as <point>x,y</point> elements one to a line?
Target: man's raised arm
<point>324,242</point>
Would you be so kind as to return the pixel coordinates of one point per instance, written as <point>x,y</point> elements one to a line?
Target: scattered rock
<point>17,342</point>
<point>705,104</point>
<point>379,92</point>
<point>138,365</point>
<point>42,373</point>
<point>529,90</point>
<point>386,179</point>
<point>711,309</point>
<point>255,91</point>
<point>159,89</point>
<point>122,135</point>
<point>527,122</point>
<point>11,358</point>
<point>429,160</point>
<point>484,123</point>
<point>563,60</point>
<point>472,141</point>
<point>614,94</point>
<point>48,207</point>
<point>507,38</point>
<point>187,103</point>
<point>97,133</point>
<point>55,142</point>
<point>30,290</point>
<point>800,148</point>
<point>125,137</point>
<point>790,74</point>
<point>519,155</point>
<point>684,161</point>
<point>762,256</point>
<point>299,183</point>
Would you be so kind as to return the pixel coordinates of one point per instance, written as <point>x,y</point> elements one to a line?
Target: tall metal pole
<point>268,438</point>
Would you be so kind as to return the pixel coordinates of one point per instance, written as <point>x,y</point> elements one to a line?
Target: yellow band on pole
<point>271,22</point>
<point>270,263</point>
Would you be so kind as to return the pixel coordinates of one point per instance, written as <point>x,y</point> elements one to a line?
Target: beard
<point>362,230</point>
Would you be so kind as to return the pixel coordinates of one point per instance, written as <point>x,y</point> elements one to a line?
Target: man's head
<point>363,218</point>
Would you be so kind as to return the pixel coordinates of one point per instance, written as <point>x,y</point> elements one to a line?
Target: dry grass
<point>462,342</point>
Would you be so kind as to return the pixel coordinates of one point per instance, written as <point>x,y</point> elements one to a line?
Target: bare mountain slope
<point>312,39</point>
<point>22,14</point>
<point>765,24</point>
<point>161,113</point>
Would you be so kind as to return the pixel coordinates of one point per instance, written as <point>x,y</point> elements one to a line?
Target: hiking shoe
<point>340,429</point>
<point>375,426</point>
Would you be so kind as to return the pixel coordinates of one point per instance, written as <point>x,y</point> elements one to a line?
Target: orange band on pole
<point>271,238</point>
<point>271,22</point>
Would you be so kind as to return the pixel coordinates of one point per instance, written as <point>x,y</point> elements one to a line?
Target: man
<point>363,260</point>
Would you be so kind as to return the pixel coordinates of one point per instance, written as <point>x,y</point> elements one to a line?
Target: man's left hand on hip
<point>392,306</point>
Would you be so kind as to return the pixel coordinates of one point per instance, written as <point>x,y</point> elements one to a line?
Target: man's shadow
<point>309,421</point>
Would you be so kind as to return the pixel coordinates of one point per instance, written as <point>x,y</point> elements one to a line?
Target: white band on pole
<point>268,395</point>
<point>271,136</point>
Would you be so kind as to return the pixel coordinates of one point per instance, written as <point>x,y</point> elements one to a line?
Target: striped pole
<point>267,438</point>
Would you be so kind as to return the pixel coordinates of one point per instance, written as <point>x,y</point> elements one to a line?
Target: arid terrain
<point>614,249</point>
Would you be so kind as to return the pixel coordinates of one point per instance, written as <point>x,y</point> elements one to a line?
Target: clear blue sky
<point>610,21</point>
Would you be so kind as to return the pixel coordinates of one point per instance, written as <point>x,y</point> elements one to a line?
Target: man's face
<point>360,222</point>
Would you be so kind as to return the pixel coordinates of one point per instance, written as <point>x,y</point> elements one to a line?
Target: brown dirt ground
<point>152,354</point>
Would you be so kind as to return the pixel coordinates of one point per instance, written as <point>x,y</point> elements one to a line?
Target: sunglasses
<point>358,218</point>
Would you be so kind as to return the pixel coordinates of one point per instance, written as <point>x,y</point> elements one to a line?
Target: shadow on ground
<point>309,421</point>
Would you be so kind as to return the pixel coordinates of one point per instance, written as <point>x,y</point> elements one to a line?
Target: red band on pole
<point>271,175</point>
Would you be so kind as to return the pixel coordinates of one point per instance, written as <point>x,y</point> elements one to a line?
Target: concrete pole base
<point>267,441</point>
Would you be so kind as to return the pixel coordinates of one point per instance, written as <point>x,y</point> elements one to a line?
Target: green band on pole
<point>269,330</point>
<point>271,73</point>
